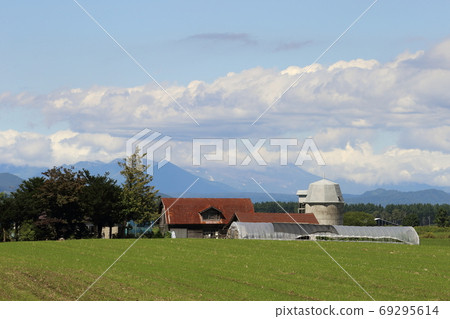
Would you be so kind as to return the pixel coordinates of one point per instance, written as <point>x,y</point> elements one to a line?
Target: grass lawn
<point>201,269</point>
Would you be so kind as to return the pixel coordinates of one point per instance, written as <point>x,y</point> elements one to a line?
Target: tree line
<point>65,203</point>
<point>418,214</point>
<point>404,214</point>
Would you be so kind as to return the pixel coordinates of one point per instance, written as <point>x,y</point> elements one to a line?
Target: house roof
<point>187,210</point>
<point>184,211</point>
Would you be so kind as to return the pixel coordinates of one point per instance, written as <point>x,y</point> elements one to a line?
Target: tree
<point>5,216</point>
<point>273,207</point>
<point>358,219</point>
<point>26,206</point>
<point>398,215</point>
<point>101,200</point>
<point>442,219</point>
<point>60,195</point>
<point>411,220</point>
<point>139,198</point>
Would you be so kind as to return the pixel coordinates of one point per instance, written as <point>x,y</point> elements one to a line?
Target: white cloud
<point>348,103</point>
<point>62,147</point>
<point>361,164</point>
<point>25,148</point>
<point>358,63</point>
<point>434,138</point>
<point>360,123</point>
<point>357,93</point>
<point>438,56</point>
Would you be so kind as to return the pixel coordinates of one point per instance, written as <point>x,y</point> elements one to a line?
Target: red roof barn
<point>211,217</point>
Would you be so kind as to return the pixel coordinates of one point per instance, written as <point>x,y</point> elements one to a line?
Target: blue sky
<point>50,45</point>
<point>68,93</point>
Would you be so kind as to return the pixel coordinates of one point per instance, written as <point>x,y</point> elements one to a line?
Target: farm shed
<point>282,231</point>
<point>211,217</point>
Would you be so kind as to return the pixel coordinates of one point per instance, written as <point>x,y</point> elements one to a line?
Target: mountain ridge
<point>174,180</point>
<point>381,196</point>
<point>9,182</point>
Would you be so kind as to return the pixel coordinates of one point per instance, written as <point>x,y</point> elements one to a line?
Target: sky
<point>376,102</point>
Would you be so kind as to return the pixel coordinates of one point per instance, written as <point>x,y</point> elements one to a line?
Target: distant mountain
<point>275,179</point>
<point>100,168</point>
<point>288,179</point>
<point>384,197</point>
<point>378,197</point>
<point>281,182</point>
<point>23,171</point>
<point>9,182</point>
<point>170,179</point>
<point>174,180</point>
<point>255,197</point>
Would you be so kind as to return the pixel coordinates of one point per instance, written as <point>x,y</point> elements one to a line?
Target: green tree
<point>411,220</point>
<point>139,198</point>
<point>26,207</point>
<point>101,200</point>
<point>358,219</point>
<point>6,221</point>
<point>398,215</point>
<point>61,197</point>
<point>273,207</point>
<point>442,219</point>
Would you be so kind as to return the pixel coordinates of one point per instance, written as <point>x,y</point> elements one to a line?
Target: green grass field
<point>200,269</point>
<point>433,232</point>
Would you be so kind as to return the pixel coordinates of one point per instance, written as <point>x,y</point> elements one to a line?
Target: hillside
<point>9,182</point>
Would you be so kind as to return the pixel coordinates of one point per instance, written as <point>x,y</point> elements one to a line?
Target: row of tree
<point>406,214</point>
<point>62,203</point>
<point>364,214</point>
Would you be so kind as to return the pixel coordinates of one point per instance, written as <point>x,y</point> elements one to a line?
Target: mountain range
<point>384,197</point>
<point>9,182</point>
<point>281,182</point>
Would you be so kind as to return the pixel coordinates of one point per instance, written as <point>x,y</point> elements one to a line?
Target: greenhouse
<point>291,231</point>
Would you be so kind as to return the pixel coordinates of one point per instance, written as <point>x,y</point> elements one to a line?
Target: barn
<point>211,217</point>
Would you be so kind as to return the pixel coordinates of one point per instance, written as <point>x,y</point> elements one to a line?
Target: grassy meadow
<point>203,269</point>
<point>433,232</point>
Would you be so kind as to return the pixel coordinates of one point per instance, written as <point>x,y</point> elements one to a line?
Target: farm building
<point>211,217</point>
<point>323,199</point>
<point>406,235</point>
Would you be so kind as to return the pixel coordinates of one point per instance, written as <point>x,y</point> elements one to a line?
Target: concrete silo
<point>324,199</point>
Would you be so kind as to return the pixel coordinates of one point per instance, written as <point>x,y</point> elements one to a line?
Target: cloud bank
<point>374,122</point>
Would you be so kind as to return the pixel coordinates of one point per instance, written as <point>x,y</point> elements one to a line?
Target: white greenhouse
<point>291,231</point>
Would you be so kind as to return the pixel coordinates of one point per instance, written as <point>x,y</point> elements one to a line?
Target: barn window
<point>211,214</point>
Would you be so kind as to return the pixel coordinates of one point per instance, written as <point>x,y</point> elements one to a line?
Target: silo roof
<point>324,191</point>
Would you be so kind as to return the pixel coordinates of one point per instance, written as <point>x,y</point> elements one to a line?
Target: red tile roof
<point>187,210</point>
<point>184,211</point>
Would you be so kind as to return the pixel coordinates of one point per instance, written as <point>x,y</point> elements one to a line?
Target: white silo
<point>324,199</point>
